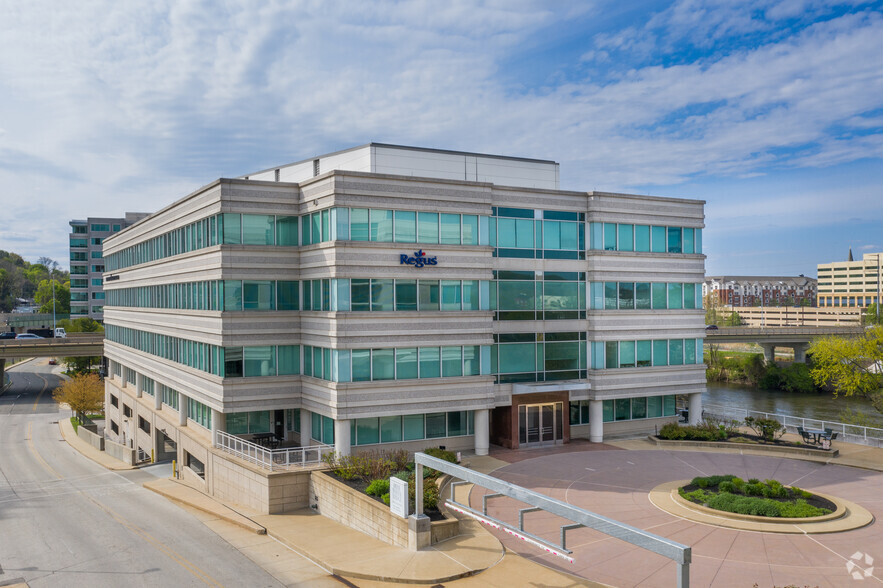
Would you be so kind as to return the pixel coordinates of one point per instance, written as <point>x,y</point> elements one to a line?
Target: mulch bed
<point>360,485</point>
<point>753,440</point>
<point>814,500</point>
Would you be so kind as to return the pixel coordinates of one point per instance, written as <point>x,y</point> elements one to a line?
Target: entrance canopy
<point>562,386</point>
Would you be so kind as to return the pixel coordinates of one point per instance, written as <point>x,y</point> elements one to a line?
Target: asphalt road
<point>66,521</point>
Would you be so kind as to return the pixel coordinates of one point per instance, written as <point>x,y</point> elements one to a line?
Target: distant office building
<point>87,261</point>
<point>850,283</point>
<point>762,290</point>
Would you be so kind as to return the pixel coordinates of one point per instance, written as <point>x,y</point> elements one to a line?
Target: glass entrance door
<point>540,424</point>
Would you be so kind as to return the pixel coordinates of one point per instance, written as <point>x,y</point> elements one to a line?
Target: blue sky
<point>770,110</point>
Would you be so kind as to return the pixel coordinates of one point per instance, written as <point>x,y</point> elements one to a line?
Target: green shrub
<point>377,487</point>
<point>754,489</point>
<point>385,499</point>
<point>767,429</point>
<point>800,492</point>
<point>403,475</point>
<point>801,509</point>
<point>775,489</point>
<point>399,459</point>
<point>698,496</point>
<point>753,481</point>
<point>444,454</point>
<point>672,432</point>
<point>430,493</point>
<point>739,483</point>
<point>727,486</point>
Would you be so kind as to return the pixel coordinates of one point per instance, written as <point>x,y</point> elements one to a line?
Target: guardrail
<point>860,435</point>
<point>271,459</point>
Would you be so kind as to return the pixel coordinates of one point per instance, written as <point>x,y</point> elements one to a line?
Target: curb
<point>75,447</point>
<point>221,512</point>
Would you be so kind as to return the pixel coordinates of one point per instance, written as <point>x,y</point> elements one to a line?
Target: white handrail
<point>271,459</point>
<point>858,434</point>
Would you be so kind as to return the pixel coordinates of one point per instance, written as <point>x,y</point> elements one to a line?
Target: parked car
<point>28,336</point>
<point>7,335</point>
<point>53,361</point>
<point>711,328</point>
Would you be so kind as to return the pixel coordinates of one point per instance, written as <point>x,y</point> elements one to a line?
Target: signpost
<point>398,497</point>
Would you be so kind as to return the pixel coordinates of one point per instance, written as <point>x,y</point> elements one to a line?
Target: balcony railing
<point>271,459</point>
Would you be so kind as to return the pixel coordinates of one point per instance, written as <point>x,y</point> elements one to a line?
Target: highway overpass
<point>797,338</point>
<point>74,345</point>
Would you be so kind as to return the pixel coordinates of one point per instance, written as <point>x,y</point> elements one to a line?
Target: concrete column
<point>183,409</point>
<point>482,431</point>
<point>306,427</point>
<point>695,408</point>
<point>218,424</point>
<point>139,385</point>
<point>157,398</point>
<point>800,352</point>
<point>342,436</point>
<point>596,421</point>
<point>419,532</point>
<point>769,352</point>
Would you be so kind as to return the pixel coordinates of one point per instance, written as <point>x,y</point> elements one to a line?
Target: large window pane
<point>611,295</point>
<point>642,296</point>
<point>654,406</point>
<point>430,362</point>
<point>639,408</point>
<point>676,352</point>
<point>644,353</point>
<point>367,431</point>
<point>287,295</point>
<point>457,423</point>
<point>688,241</point>
<point>611,353</point>
<point>506,232</point>
<point>405,226</point>
<point>470,229</point>
<point>570,233</point>
<point>675,296</point>
<point>359,226</point>
<point>288,357</point>
<point>689,296</point>
<point>406,294</point>
<point>561,296</point>
<point>524,234</point>
<point>435,425</point>
<point>626,354</point>
<point>258,295</point>
<point>608,410</point>
<point>626,237</point>
<point>516,295</point>
<point>659,242</point>
<point>450,295</point>
<point>622,408</point>
<point>689,351</point>
<point>471,360</point>
<point>516,357</point>
<point>674,239</point>
<point>642,238</point>
<point>427,229</point>
<point>452,361</point>
<point>232,295</point>
<point>232,225</point>
<point>260,361</point>
<point>610,236</point>
<point>286,230</point>
<point>382,295</point>
<point>660,295</point>
<point>381,225</point>
<point>406,363</point>
<point>361,365</point>
<point>258,229</point>
<point>390,429</point>
<point>660,352</point>
<point>551,234</point>
<point>627,295</point>
<point>597,235</point>
<point>383,364</point>
<point>450,229</point>
<point>668,406</point>
<point>562,356</point>
<point>471,295</point>
<point>428,293</point>
<point>413,427</point>
<point>360,291</point>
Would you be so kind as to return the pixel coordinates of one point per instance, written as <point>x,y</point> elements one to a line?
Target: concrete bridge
<point>797,338</point>
<point>74,345</point>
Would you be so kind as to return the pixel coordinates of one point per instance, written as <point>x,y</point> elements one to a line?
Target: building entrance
<point>540,424</point>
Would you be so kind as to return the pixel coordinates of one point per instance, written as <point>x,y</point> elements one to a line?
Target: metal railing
<point>680,554</point>
<point>860,435</point>
<point>271,459</point>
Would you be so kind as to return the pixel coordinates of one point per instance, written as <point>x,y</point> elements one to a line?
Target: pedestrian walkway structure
<point>578,517</point>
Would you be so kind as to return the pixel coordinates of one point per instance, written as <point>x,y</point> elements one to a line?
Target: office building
<point>400,297</point>
<point>87,261</point>
<point>761,290</point>
<point>850,284</point>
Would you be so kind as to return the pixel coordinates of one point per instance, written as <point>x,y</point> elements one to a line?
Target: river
<point>815,406</point>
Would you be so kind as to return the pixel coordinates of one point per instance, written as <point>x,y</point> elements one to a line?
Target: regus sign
<point>418,260</point>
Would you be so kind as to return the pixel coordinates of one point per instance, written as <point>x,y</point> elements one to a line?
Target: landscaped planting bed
<point>768,498</point>
<point>766,432</point>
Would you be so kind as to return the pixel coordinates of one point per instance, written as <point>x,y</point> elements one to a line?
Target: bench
<point>807,437</point>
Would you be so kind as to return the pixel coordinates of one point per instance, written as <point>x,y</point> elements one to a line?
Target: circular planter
<point>847,516</point>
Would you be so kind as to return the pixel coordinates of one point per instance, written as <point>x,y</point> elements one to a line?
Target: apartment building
<point>761,290</point>
<point>87,261</point>
<point>400,297</point>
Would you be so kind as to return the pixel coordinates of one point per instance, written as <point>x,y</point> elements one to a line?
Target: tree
<point>733,320</point>
<point>43,297</point>
<point>81,325</point>
<point>84,393</point>
<point>870,316</point>
<point>712,303</point>
<point>851,366</point>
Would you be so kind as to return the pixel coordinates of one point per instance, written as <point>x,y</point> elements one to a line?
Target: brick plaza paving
<point>616,483</point>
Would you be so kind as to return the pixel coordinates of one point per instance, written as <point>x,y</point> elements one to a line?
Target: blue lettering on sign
<point>418,260</point>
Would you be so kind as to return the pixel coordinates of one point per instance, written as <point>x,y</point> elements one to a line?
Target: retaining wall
<point>120,451</point>
<point>91,438</point>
